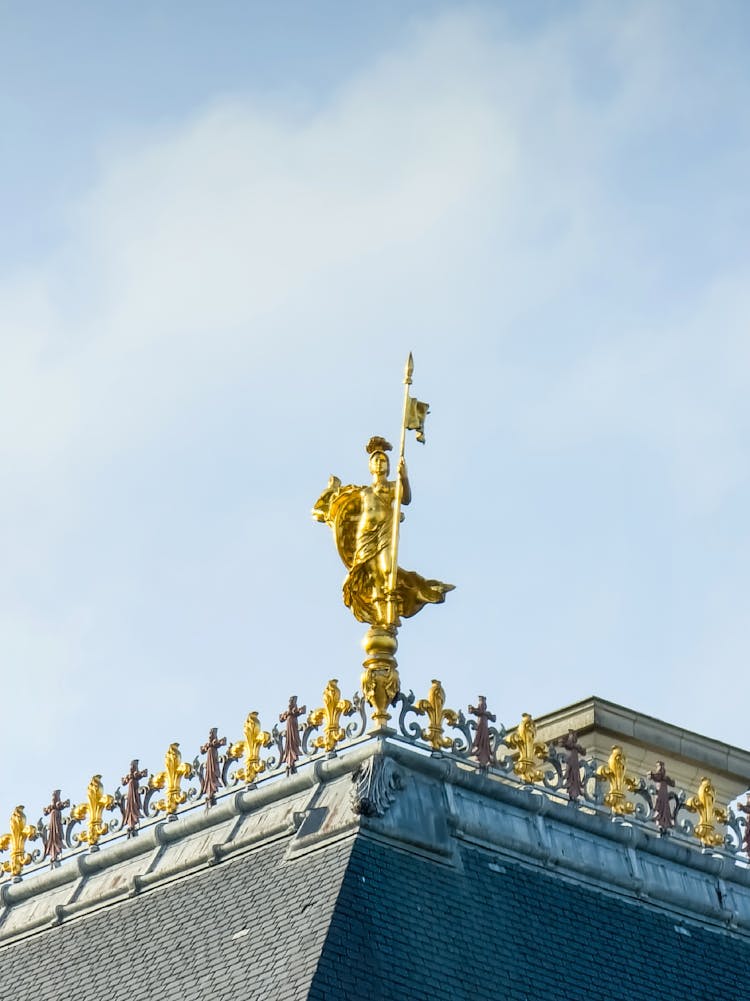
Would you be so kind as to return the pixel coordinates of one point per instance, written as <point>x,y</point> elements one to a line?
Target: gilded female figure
<point>362,521</point>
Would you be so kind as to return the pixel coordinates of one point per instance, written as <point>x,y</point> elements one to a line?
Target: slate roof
<point>248,929</point>
<point>464,888</point>
<point>406,927</point>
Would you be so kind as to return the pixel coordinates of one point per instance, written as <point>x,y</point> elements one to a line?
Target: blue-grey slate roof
<point>412,929</point>
<point>247,929</point>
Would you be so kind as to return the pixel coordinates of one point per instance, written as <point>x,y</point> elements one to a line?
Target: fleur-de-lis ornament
<point>704,804</point>
<point>255,738</point>
<point>615,772</point>
<point>97,801</point>
<point>175,770</point>
<point>329,714</point>
<point>434,707</point>
<point>15,841</point>
<point>531,752</point>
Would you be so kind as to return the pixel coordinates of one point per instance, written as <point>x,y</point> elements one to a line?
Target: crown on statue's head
<point>378,444</point>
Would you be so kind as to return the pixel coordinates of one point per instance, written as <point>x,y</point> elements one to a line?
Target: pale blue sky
<point>223,230</point>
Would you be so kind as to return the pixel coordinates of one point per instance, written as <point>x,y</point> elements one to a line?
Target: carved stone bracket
<point>375,783</point>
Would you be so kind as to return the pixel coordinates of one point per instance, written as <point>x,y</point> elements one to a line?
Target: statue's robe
<point>341,508</point>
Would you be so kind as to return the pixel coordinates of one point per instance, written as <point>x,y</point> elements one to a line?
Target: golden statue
<point>365,522</point>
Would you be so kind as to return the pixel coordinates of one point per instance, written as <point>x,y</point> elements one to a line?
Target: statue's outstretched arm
<point>322,509</point>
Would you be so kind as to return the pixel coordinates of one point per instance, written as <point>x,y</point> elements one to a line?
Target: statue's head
<point>376,448</point>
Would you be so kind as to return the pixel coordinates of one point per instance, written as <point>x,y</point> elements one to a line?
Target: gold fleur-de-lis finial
<point>255,739</point>
<point>329,714</point>
<point>97,801</point>
<point>434,707</point>
<point>15,840</point>
<point>175,770</point>
<point>704,804</point>
<point>615,772</point>
<point>531,752</point>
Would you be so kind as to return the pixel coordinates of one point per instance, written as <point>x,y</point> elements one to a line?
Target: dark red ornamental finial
<point>53,835</point>
<point>573,784</point>
<point>481,747</point>
<point>132,804</point>
<point>292,749</point>
<point>211,777</point>
<point>663,814</point>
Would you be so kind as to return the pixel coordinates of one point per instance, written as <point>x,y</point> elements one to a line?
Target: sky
<point>223,229</point>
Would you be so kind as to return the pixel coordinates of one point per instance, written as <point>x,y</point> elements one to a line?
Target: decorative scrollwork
<point>644,803</point>
<point>733,842</point>
<point>682,822</point>
<point>307,738</point>
<point>553,772</point>
<point>275,748</point>
<point>462,744</point>
<point>356,727</point>
<point>745,840</point>
<point>411,730</point>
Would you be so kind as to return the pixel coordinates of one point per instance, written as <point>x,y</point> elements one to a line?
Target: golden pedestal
<point>380,681</point>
